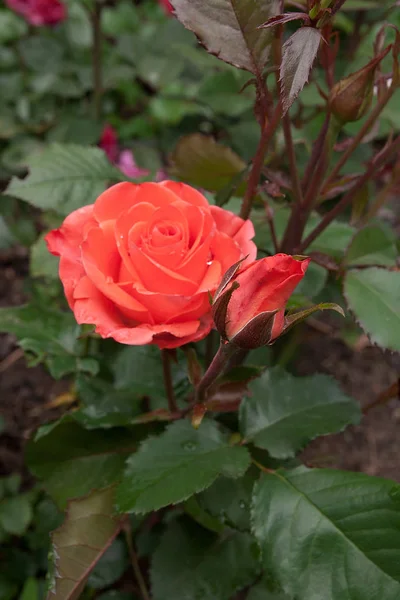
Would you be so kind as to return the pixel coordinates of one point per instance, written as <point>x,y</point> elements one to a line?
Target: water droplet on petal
<point>209,262</point>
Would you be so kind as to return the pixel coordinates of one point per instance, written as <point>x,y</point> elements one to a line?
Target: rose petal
<point>101,262</point>
<point>157,278</point>
<point>168,341</point>
<point>65,242</point>
<point>186,193</point>
<point>265,285</point>
<point>225,250</point>
<point>212,278</point>
<point>66,239</point>
<point>226,221</point>
<point>237,229</point>
<point>114,201</point>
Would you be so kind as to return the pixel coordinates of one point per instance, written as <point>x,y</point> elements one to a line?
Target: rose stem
<point>347,199</point>
<point>169,388</point>
<point>97,70</point>
<point>134,561</point>
<point>268,129</point>
<point>219,362</point>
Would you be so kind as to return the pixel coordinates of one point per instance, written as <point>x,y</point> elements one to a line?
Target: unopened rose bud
<point>249,307</point>
<point>351,97</point>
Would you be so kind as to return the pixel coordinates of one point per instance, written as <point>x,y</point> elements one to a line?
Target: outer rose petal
<point>238,229</point>
<point>65,242</point>
<point>186,193</point>
<point>265,285</point>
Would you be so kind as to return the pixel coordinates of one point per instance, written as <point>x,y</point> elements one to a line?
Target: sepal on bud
<point>257,332</point>
<point>292,319</point>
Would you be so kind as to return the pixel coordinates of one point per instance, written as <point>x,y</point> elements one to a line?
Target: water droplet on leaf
<point>190,446</point>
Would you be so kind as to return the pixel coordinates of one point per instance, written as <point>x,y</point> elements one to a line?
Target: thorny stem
<point>361,134</point>
<point>287,131</point>
<point>219,362</point>
<point>169,388</point>
<point>134,561</point>
<point>316,153</point>
<point>97,68</point>
<point>348,198</point>
<point>268,130</point>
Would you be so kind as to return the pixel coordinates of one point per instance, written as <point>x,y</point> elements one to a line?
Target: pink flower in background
<point>124,159</point>
<point>166,4</point>
<point>126,163</point>
<point>39,12</point>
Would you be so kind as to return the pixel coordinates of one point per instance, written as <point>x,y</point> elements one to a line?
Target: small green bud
<point>351,97</point>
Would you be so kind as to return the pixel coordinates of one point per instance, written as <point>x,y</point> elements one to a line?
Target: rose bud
<point>249,305</point>
<point>351,97</point>
<point>141,261</point>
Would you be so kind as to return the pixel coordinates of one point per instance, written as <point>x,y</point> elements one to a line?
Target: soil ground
<point>372,447</point>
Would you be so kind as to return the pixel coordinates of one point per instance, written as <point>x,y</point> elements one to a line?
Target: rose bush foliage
<point>141,262</point>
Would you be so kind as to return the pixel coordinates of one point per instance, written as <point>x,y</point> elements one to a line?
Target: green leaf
<point>64,177</point>
<point>72,461</point>
<point>222,93</point>
<point>50,335</point>
<point>101,405</point>
<point>372,245</point>
<point>110,567</point>
<point>138,369</point>
<point>192,563</point>
<point>314,282</point>
<point>12,26</point>
<point>373,295</point>
<point>298,55</point>
<point>284,413</point>
<point>180,462</point>
<point>89,529</point>
<point>30,591</point>
<point>229,500</point>
<point>42,53</point>
<point>15,514</point>
<point>199,160</point>
<point>261,591</point>
<point>42,263</point>
<point>329,534</point>
<point>229,29</point>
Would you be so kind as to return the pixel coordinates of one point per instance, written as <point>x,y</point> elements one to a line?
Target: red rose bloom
<point>140,262</point>
<point>39,12</point>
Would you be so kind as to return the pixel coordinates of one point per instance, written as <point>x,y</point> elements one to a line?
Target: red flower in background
<point>39,12</point>
<point>166,4</point>
<point>109,143</point>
